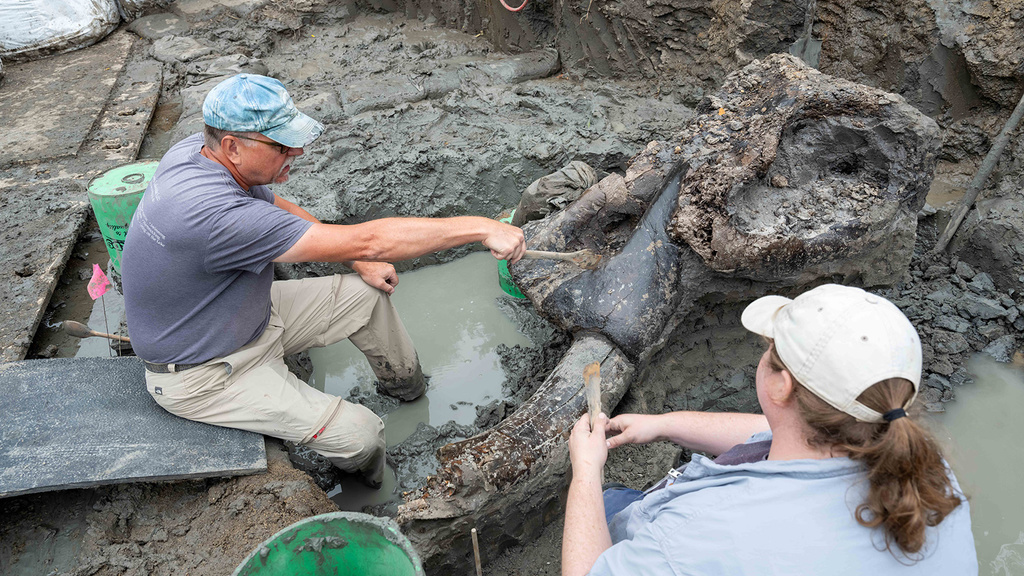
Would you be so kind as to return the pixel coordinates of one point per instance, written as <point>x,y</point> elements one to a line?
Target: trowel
<point>583,258</point>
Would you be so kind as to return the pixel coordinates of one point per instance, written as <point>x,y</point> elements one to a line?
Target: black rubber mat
<point>79,422</point>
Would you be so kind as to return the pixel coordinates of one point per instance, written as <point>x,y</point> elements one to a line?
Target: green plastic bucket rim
<point>384,525</point>
<point>135,176</point>
<point>504,276</point>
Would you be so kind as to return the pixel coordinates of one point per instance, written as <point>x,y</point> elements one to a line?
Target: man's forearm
<point>585,534</point>
<point>710,432</point>
<point>387,239</point>
<point>294,209</point>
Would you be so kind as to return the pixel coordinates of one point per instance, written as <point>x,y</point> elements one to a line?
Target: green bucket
<point>504,276</point>
<point>335,543</point>
<point>114,196</point>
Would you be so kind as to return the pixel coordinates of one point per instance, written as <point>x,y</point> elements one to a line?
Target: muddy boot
<point>371,473</point>
<point>402,386</point>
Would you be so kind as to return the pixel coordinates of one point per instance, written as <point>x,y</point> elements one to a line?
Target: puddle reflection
<point>980,432</point>
<point>452,315</point>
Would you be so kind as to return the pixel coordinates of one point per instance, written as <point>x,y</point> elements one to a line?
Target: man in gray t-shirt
<point>205,313</point>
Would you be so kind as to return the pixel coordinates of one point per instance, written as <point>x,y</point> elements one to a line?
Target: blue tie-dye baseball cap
<point>254,103</point>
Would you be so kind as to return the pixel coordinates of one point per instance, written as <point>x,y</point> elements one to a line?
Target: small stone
<point>938,381</point>
<point>934,407</point>
<point>1002,349</point>
<point>982,284</point>
<point>932,395</point>
<point>942,295</point>
<point>960,377</point>
<point>963,270</point>
<point>936,271</point>
<point>981,307</point>
<point>991,331</point>
<point>942,365</point>
<point>780,181</point>
<point>952,323</point>
<point>735,125</point>
<point>949,342</point>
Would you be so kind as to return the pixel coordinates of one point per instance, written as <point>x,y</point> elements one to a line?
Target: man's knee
<point>354,439</point>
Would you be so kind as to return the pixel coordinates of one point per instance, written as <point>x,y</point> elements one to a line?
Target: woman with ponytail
<point>836,477</point>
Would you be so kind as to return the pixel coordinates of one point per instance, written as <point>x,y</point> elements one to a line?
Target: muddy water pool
<point>453,315</point>
<point>981,432</point>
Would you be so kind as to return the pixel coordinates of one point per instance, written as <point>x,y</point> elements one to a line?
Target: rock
<point>323,106</point>
<point>227,66</point>
<point>156,26</point>
<point>981,307</point>
<point>170,49</point>
<point>991,331</point>
<point>949,342</point>
<point>942,295</point>
<point>936,271</point>
<point>982,284</point>
<point>1002,349</point>
<point>952,323</point>
<point>942,365</point>
<point>964,271</point>
<point>931,395</point>
<point>938,382</point>
<point>992,238</point>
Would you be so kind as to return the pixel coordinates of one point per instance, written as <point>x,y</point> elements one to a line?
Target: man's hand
<point>634,429</point>
<point>587,449</point>
<point>505,242</point>
<point>380,275</point>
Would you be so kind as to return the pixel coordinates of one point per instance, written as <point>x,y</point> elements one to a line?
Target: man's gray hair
<point>212,137</point>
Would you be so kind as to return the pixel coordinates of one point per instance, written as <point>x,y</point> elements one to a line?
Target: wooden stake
<point>987,165</point>
<point>476,553</point>
<point>592,382</point>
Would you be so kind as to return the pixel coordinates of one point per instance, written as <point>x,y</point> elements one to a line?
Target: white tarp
<point>39,27</point>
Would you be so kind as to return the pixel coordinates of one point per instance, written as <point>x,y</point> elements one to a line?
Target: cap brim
<point>298,132</point>
<point>759,316</point>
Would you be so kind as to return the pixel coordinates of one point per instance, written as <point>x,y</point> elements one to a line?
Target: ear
<point>229,146</point>
<point>780,388</point>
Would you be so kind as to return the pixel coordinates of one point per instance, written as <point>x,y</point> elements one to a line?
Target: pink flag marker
<point>99,283</point>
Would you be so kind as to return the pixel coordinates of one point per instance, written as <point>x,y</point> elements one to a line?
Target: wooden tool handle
<point>543,255</point>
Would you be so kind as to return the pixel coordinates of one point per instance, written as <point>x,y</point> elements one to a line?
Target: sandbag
<point>33,28</point>
<point>554,192</point>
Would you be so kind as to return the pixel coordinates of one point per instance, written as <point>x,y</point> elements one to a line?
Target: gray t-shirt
<point>195,264</point>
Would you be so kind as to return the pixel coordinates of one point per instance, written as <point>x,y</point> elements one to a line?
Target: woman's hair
<point>909,488</point>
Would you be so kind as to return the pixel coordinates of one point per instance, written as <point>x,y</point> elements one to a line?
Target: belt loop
<point>170,368</point>
<point>227,368</point>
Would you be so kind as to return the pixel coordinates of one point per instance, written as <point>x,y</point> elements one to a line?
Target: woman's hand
<point>634,429</point>
<point>587,449</point>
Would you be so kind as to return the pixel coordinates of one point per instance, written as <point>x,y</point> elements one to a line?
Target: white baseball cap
<point>838,341</point>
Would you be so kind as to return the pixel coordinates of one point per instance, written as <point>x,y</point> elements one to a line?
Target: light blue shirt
<point>772,517</point>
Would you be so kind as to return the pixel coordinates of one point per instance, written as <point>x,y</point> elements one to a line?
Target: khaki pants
<point>251,388</point>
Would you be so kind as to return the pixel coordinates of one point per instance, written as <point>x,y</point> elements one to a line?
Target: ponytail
<point>909,488</point>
